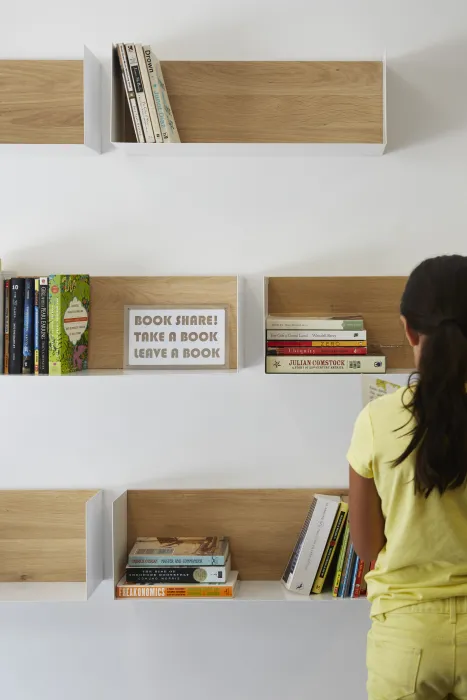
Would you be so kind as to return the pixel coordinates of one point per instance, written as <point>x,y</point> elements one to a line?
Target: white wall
<point>109,215</point>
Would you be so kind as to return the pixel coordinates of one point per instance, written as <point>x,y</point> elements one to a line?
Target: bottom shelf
<point>28,592</point>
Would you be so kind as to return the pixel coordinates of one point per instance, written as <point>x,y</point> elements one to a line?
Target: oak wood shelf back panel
<point>111,294</point>
<point>43,536</point>
<point>321,102</point>
<point>262,524</point>
<point>377,299</point>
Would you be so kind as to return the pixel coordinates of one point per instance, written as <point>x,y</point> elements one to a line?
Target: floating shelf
<point>262,524</point>
<point>50,106</point>
<point>265,108</point>
<point>377,299</point>
<point>51,545</point>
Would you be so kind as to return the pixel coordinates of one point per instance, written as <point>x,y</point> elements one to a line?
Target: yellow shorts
<point>419,652</point>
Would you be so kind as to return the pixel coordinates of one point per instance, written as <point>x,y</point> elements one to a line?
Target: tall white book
<point>148,93</point>
<point>303,565</point>
<point>161,97</point>
<point>130,93</point>
<point>139,91</point>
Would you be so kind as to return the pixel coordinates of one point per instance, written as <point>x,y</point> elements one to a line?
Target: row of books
<point>146,94</point>
<point>306,345</point>
<point>324,555</point>
<point>179,567</point>
<point>45,327</point>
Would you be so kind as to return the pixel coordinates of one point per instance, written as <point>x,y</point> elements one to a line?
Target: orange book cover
<point>195,590</point>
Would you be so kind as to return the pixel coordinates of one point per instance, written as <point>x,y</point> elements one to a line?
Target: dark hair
<point>434,304</point>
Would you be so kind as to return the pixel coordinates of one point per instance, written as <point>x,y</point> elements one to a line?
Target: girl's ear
<point>412,336</point>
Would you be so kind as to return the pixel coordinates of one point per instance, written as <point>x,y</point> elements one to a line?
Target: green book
<point>69,302</point>
<point>341,559</point>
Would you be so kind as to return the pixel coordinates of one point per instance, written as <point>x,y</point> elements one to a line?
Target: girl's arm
<point>366,517</point>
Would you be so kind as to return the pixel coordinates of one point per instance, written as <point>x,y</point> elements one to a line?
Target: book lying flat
<point>186,551</point>
<point>335,364</point>
<point>284,323</point>
<point>178,590</point>
<point>177,574</point>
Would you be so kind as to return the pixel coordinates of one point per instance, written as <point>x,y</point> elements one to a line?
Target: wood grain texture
<point>43,535</point>
<point>109,296</point>
<point>276,101</point>
<point>262,524</point>
<point>377,299</point>
<point>41,102</point>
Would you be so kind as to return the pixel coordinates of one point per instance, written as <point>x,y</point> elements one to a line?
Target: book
<point>161,97</point>
<point>178,590</point>
<point>5,278</point>
<point>331,547</point>
<point>284,323</point>
<point>148,93</point>
<point>316,335</point>
<point>347,573</point>
<point>176,551</point>
<point>341,559</point>
<point>374,387</point>
<point>28,327</point>
<point>304,562</point>
<point>337,364</point>
<point>177,574</point>
<point>316,344</point>
<point>358,579</point>
<point>15,359</point>
<point>139,92</point>
<point>353,576</point>
<point>130,93</point>
<point>316,351</point>
<point>43,325</point>
<point>69,306</point>
<point>366,569</point>
<point>36,326</point>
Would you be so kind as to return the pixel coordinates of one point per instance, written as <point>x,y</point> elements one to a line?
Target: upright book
<point>140,94</point>
<point>179,551</point>
<point>130,93</point>
<point>36,326</point>
<point>161,97</point>
<point>331,547</point>
<point>148,93</point>
<point>341,560</point>
<point>5,278</point>
<point>69,305</point>
<point>43,325</point>
<point>28,327</point>
<point>15,360</point>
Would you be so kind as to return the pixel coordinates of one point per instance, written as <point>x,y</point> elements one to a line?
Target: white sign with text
<point>175,337</point>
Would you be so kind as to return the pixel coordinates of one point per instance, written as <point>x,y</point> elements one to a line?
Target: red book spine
<point>358,579</point>
<point>274,350</point>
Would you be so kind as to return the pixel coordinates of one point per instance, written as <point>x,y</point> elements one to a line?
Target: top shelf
<point>265,107</point>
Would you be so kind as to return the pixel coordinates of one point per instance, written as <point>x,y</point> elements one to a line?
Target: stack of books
<point>179,567</point>
<point>45,324</point>
<point>319,346</point>
<point>324,556</point>
<point>146,94</point>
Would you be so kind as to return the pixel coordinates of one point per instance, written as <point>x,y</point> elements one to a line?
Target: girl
<point>408,499</point>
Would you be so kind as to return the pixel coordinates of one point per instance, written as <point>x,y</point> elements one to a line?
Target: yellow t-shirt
<point>425,556</point>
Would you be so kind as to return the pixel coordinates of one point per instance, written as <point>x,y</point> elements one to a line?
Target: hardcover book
<point>187,551</point>
<point>182,590</point>
<point>284,323</point>
<point>316,335</point>
<point>341,560</point>
<point>28,327</point>
<point>43,325</point>
<point>337,364</point>
<point>69,305</point>
<point>5,278</point>
<point>315,351</point>
<point>316,344</point>
<point>15,360</point>
<point>331,547</point>
<point>177,574</point>
<point>36,326</point>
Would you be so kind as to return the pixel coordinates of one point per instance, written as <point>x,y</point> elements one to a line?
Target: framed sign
<point>174,337</point>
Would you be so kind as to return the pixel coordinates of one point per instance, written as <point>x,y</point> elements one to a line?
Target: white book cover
<point>148,93</point>
<point>130,93</point>
<point>161,96</point>
<point>157,93</point>
<point>302,573</point>
<point>139,91</point>
<point>3,276</point>
<point>326,364</point>
<point>316,335</point>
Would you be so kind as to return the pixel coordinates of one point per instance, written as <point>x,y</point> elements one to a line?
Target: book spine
<point>353,577</point>
<point>130,93</point>
<point>54,339</point>
<point>344,566</point>
<point>143,68</point>
<point>290,568</point>
<point>358,579</point>
<point>181,574</point>
<point>156,92</point>
<point>331,547</point>
<point>316,344</point>
<point>325,324</point>
<point>139,91</point>
<point>161,97</point>
<point>28,329</point>
<point>273,351</point>
<point>347,578</point>
<point>316,335</point>
<point>6,325</point>
<point>43,325</point>
<point>36,326</point>
<point>336,364</point>
<point>15,360</point>
<point>340,560</point>
<point>155,591</point>
<point>188,560</point>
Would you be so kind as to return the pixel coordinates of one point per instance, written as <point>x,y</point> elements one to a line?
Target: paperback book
<point>177,574</point>
<point>284,323</point>
<point>69,307</point>
<point>365,364</point>
<point>183,590</point>
<point>316,335</point>
<point>185,551</point>
<point>16,325</point>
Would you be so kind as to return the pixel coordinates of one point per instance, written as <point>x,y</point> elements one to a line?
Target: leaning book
<point>69,305</point>
<point>335,364</point>
<point>185,551</point>
<point>125,589</point>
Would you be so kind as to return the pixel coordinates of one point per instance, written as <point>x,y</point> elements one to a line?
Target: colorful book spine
<point>316,344</point>
<point>348,552</point>
<point>196,590</point>
<point>148,93</point>
<point>284,351</point>
<point>15,360</point>
<point>353,577</point>
<point>161,97</point>
<point>358,579</point>
<point>177,574</point>
<point>316,335</point>
<point>331,546</point>
<point>337,364</point>
<point>185,560</point>
<point>347,579</point>
<point>6,325</point>
<point>139,91</point>
<point>130,93</point>
<point>69,305</point>
<point>341,560</point>
<point>28,328</point>
<point>313,324</point>
<point>36,326</point>
<point>43,325</point>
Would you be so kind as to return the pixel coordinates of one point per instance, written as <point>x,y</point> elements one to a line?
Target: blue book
<point>354,576</point>
<point>36,326</point>
<point>28,327</point>
<point>344,591</point>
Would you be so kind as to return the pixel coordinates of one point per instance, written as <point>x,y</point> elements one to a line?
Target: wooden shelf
<point>109,295</point>
<point>50,106</point>
<point>262,524</point>
<point>377,299</point>
<point>50,545</point>
<point>228,107</point>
